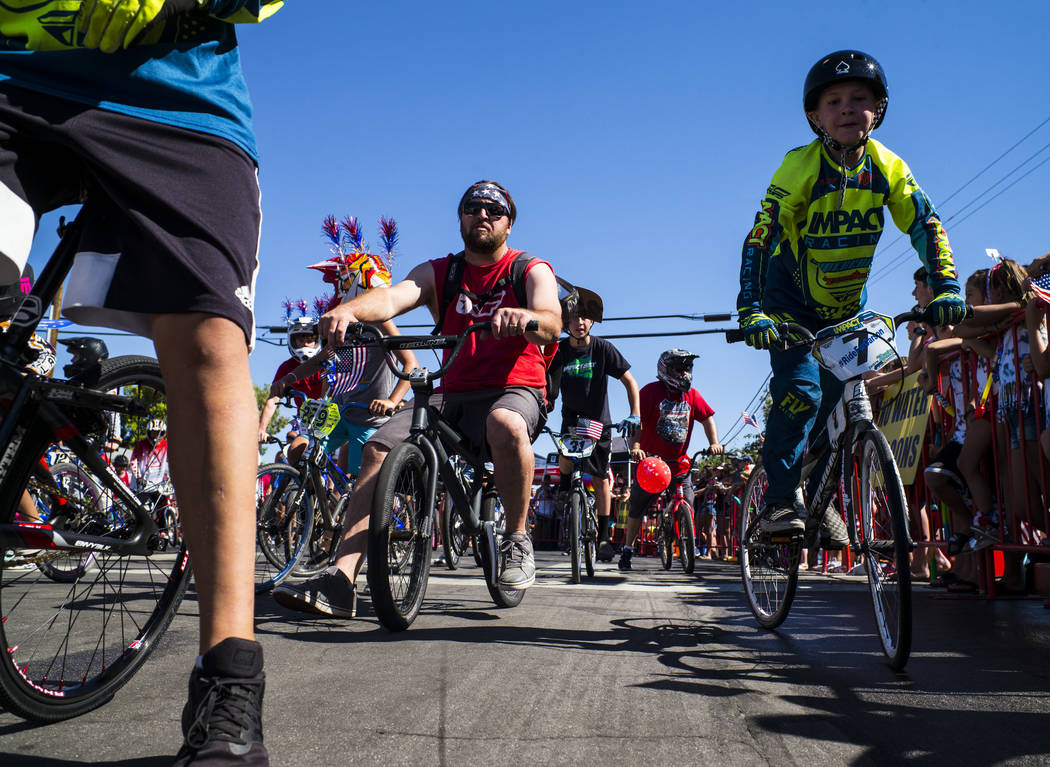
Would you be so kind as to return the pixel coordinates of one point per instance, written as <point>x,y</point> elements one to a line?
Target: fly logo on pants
<point>793,406</point>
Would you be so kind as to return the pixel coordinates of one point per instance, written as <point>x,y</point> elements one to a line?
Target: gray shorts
<point>467,411</point>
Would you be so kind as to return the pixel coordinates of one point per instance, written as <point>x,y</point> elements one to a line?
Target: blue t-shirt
<point>184,72</point>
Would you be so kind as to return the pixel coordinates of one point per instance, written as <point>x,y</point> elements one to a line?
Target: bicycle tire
<point>575,521</point>
<point>399,538</point>
<point>281,537</point>
<point>877,484</point>
<point>324,540</point>
<point>769,570</point>
<point>665,534</point>
<point>686,539</point>
<point>72,481</point>
<point>492,511</point>
<point>590,540</point>
<point>453,539</point>
<point>70,647</point>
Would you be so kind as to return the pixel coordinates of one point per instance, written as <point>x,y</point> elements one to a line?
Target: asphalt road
<point>647,668</point>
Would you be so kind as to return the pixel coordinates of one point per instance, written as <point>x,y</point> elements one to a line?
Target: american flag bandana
<point>1041,287</point>
<point>749,419</point>
<point>346,369</point>
<point>585,427</point>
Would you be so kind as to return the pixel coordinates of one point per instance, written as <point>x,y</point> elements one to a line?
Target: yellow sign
<point>903,420</point>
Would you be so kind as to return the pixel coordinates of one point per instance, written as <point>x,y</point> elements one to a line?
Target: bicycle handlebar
<point>803,336</point>
<point>453,342</point>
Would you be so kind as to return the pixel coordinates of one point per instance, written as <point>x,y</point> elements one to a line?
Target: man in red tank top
<point>494,392</point>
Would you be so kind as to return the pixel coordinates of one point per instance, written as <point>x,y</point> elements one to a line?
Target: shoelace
<point>514,551</point>
<point>229,707</point>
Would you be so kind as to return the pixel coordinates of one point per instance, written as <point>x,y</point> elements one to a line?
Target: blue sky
<point>637,140</point>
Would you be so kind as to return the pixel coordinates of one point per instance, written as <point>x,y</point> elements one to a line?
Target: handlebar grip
<point>532,326</point>
<point>735,336</point>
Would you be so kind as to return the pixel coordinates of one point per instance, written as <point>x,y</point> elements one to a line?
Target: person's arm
<point>382,304</point>
<point>633,401</point>
<point>986,318</point>
<point>711,430</point>
<point>1034,317</point>
<point>408,362</point>
<point>316,363</point>
<point>541,291</point>
<point>932,360</point>
<point>269,408</point>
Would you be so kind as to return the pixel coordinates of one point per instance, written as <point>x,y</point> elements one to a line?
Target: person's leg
<point>513,464</point>
<point>212,450</point>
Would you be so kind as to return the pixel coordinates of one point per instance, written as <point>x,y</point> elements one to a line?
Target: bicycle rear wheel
<point>68,647</point>
<point>686,539</point>
<point>665,534</point>
<point>884,542</point>
<point>79,492</point>
<point>453,536</point>
<point>492,511</point>
<point>769,569</point>
<point>576,503</point>
<point>282,529</point>
<point>324,540</point>
<point>399,538</point>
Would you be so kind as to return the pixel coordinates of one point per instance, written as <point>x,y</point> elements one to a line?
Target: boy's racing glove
<point>759,330</point>
<point>630,424</point>
<point>946,309</point>
<point>113,24</point>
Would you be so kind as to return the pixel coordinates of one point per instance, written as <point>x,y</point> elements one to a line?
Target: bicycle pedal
<point>780,538</point>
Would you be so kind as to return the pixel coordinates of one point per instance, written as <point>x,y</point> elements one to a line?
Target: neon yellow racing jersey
<point>807,260</point>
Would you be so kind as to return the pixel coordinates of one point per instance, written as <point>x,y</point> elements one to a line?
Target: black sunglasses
<point>494,209</point>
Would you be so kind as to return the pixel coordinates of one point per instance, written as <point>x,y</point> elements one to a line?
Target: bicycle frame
<point>35,410</point>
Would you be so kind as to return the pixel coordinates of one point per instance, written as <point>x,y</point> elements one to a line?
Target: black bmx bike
<point>404,509</point>
<point>70,643</point>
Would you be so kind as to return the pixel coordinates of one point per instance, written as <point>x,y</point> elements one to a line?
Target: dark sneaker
<point>518,567</point>
<point>985,536</point>
<point>781,519</point>
<point>605,551</point>
<point>328,593</point>
<point>625,559</point>
<point>222,719</point>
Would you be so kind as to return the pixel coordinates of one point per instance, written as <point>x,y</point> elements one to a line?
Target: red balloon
<point>653,475</point>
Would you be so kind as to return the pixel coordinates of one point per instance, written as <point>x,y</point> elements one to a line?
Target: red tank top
<point>488,363</point>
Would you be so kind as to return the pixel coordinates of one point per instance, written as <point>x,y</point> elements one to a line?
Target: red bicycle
<point>674,524</point>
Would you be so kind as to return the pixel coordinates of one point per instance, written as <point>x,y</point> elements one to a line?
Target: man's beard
<point>482,241</point>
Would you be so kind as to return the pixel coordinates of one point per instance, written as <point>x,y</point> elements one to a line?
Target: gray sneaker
<point>833,533</point>
<point>518,566</point>
<point>329,593</point>
<point>781,519</point>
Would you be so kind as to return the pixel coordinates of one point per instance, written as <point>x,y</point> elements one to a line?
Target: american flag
<point>749,419</point>
<point>346,369</point>
<point>585,427</point>
<point>1041,287</point>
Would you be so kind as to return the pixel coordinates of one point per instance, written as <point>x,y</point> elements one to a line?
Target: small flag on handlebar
<point>346,369</point>
<point>586,427</point>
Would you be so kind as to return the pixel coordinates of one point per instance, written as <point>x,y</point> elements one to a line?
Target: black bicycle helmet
<point>837,67</point>
<point>87,352</point>
<point>589,306</point>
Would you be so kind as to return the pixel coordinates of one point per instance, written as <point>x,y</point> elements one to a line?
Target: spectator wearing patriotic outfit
<point>494,392</point>
<point>584,364</point>
<point>1035,317</point>
<point>669,408</point>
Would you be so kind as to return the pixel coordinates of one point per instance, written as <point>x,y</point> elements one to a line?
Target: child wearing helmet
<point>808,256</point>
<point>303,344</point>
<point>582,367</point>
<point>669,408</point>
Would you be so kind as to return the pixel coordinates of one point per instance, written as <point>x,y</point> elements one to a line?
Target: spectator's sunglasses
<point>494,209</point>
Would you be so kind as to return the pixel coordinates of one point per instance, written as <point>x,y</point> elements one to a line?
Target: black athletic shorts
<point>172,215</point>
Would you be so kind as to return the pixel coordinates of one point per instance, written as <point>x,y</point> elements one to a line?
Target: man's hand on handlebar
<point>637,454</point>
<point>716,449</point>
<point>335,323</point>
<point>379,407</point>
<point>509,321</point>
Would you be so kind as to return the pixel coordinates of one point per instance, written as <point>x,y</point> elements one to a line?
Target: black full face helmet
<point>87,352</point>
<point>841,66</point>
<point>675,369</point>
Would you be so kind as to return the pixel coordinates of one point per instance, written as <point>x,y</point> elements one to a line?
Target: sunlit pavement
<point>646,667</point>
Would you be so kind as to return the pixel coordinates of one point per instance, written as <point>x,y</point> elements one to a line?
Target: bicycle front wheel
<point>575,554</point>
<point>453,536</point>
<point>686,536</point>
<point>399,538</point>
<point>665,533</point>
<point>885,544</point>
<point>282,528</point>
<point>769,569</point>
<point>590,539</point>
<point>68,647</point>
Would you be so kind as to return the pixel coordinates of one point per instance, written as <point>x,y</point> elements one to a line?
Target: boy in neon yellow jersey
<point>809,253</point>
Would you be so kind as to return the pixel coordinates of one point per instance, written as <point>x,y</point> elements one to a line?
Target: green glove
<point>759,329</point>
<point>946,309</point>
<point>112,24</point>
